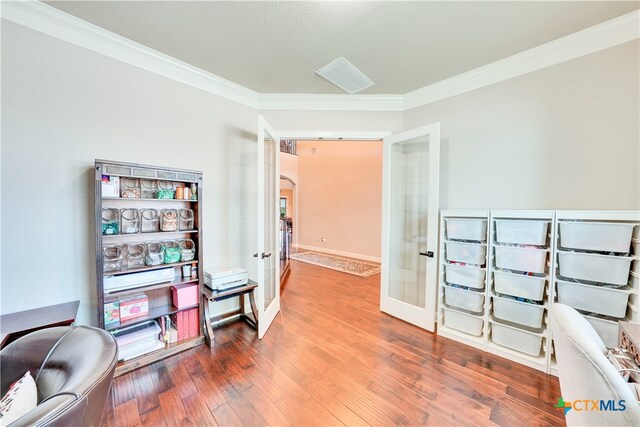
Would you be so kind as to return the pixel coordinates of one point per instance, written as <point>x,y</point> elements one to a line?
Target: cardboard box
<point>185,295</point>
<point>135,306</point>
<point>111,312</point>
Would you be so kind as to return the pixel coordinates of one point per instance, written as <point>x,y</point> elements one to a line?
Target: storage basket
<point>608,330</point>
<point>150,221</point>
<point>186,220</point>
<point>521,259</point>
<point>130,221</point>
<point>519,285</point>
<point>135,255</point>
<point>461,298</point>
<point>112,258</point>
<point>463,322</point>
<point>187,250</point>
<point>130,188</point>
<point>110,221</point>
<point>524,232</point>
<point>594,267</point>
<point>596,236</point>
<point>148,188</point>
<point>471,277</point>
<point>470,253</point>
<point>522,313</point>
<point>516,339</point>
<point>172,252</point>
<point>169,220</point>
<point>596,299</point>
<point>466,229</point>
<point>155,254</point>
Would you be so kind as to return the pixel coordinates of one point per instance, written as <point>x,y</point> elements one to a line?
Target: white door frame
<point>424,318</point>
<point>266,315</point>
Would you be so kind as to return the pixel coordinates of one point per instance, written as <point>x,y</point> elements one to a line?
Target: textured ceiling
<point>401,46</point>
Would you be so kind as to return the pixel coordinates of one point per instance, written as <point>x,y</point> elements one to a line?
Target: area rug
<point>345,265</point>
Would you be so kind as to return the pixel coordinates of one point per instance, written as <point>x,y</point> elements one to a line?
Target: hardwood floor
<point>332,358</point>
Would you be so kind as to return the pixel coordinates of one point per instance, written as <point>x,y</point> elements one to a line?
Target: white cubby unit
<point>462,289</point>
<point>597,268</point>
<point>521,248</point>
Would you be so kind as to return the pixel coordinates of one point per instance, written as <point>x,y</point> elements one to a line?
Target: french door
<point>268,291</point>
<point>410,170</point>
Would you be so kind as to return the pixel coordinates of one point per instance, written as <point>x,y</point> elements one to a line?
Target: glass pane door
<point>410,225</point>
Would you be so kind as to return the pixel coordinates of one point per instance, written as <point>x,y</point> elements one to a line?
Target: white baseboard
<point>340,253</point>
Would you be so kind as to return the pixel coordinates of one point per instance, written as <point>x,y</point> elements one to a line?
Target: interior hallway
<point>332,358</point>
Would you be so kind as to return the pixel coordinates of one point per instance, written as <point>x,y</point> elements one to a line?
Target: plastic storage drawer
<point>516,339</point>
<point>522,232</point>
<point>596,299</point>
<point>522,313</point>
<point>463,322</point>
<point>521,259</point>
<point>596,236</point>
<point>519,285</point>
<point>594,267</point>
<point>466,229</point>
<point>607,330</point>
<point>471,277</point>
<point>471,253</point>
<point>464,299</point>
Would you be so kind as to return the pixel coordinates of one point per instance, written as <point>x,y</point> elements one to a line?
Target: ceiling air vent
<point>346,76</point>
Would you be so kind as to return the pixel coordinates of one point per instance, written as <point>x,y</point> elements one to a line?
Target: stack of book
<point>180,326</point>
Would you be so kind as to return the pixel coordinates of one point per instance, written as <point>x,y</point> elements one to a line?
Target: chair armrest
<point>59,410</point>
<point>27,354</point>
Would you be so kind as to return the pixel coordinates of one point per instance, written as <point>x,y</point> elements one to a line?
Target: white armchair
<point>586,373</point>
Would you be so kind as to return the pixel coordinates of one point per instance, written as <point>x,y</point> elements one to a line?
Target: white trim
<point>339,253</point>
<point>593,39</point>
<point>312,135</point>
<point>325,102</point>
<point>55,23</point>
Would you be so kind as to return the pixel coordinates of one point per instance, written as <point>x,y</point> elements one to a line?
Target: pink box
<point>185,295</point>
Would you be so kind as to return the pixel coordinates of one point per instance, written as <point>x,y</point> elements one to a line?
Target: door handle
<point>255,255</point>
<point>428,254</point>
<point>266,255</point>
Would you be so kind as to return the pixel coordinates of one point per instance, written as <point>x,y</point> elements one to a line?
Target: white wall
<point>565,137</point>
<point>63,107</point>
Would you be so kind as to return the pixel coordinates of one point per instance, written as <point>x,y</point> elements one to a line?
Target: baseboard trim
<point>339,253</point>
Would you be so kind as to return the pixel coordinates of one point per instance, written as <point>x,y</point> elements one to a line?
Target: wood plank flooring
<point>332,358</point>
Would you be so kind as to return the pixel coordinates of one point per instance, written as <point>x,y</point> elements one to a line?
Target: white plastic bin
<point>596,236</point>
<point>594,267</point>
<point>635,247</point>
<point>607,330</point>
<point>471,277</point>
<point>596,299</point>
<point>461,298</point>
<point>519,285</point>
<point>463,322</point>
<point>471,253</point>
<point>524,232</point>
<point>467,229</point>
<point>516,339</point>
<point>522,313</point>
<point>521,259</point>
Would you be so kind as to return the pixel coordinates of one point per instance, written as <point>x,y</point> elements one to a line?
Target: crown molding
<point>590,40</point>
<point>305,101</point>
<point>55,23</point>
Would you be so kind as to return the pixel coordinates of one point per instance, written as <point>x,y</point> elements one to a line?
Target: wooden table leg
<point>208,330</point>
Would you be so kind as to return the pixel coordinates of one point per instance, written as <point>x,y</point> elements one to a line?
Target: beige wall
<point>63,107</point>
<point>565,137</point>
<point>340,197</point>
